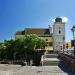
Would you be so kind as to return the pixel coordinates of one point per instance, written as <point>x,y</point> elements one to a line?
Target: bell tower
<point>58,35</point>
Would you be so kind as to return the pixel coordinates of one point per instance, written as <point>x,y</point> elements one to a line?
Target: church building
<point>53,36</point>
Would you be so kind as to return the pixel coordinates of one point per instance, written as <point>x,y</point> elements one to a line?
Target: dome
<point>73,26</point>
<point>58,19</point>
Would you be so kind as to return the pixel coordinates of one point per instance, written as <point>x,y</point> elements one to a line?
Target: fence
<point>69,60</point>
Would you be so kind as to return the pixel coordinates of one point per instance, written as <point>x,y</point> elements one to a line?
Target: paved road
<point>32,70</point>
<point>43,70</point>
<point>60,69</point>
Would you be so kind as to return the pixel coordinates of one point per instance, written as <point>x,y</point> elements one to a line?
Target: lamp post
<point>73,30</point>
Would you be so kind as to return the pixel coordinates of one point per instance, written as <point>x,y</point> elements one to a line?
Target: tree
<point>9,49</point>
<point>24,49</point>
<point>33,42</point>
<point>40,44</point>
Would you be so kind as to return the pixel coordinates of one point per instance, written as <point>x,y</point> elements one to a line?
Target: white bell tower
<point>58,35</point>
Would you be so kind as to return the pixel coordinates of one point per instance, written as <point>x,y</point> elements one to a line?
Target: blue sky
<point>19,14</point>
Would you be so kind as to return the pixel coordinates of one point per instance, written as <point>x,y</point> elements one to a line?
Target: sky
<point>20,14</point>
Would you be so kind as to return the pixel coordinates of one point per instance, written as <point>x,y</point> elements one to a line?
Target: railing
<point>42,59</point>
<point>69,60</point>
<point>49,57</point>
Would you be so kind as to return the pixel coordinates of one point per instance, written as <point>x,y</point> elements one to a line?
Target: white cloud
<point>52,19</point>
<point>64,19</point>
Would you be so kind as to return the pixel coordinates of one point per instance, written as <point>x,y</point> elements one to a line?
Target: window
<point>47,43</point>
<point>59,32</point>
<point>46,39</point>
<point>50,43</point>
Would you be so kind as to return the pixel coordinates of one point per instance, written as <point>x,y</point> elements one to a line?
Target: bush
<point>37,58</point>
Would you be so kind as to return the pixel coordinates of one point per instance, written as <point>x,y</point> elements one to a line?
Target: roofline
<point>36,28</point>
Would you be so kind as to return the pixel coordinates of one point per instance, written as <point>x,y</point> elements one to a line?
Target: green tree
<point>13,48</point>
<point>40,44</point>
<point>9,49</point>
<point>21,48</point>
<point>33,42</point>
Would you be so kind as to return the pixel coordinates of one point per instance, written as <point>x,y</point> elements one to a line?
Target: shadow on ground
<point>65,68</point>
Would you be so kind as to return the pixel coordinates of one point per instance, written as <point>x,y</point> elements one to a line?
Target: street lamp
<point>73,30</point>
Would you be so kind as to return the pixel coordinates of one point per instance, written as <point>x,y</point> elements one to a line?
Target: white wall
<point>58,38</point>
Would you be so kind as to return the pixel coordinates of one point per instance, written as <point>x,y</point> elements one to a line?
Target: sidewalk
<point>61,69</point>
<point>42,70</point>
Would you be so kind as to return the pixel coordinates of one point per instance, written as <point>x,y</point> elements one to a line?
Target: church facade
<point>53,36</point>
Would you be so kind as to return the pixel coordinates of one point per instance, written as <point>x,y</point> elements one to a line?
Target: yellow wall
<point>19,36</point>
<point>47,39</point>
<point>69,45</point>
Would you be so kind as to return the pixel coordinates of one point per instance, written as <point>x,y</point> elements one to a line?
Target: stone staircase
<point>50,60</point>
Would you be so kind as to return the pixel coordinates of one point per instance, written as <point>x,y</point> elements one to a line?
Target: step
<point>51,59</point>
<point>51,55</point>
<point>51,63</point>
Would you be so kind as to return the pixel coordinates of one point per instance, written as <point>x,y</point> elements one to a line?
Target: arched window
<point>59,30</point>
